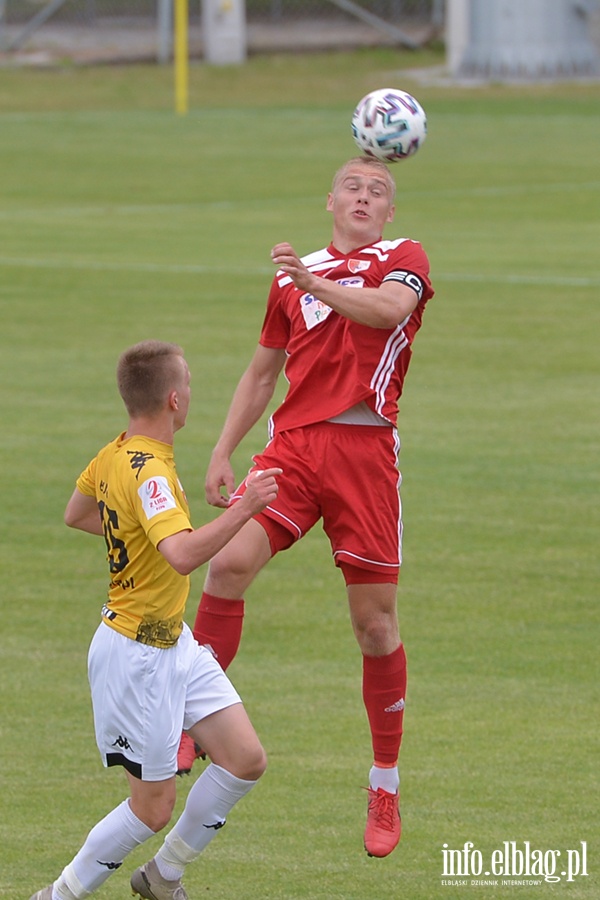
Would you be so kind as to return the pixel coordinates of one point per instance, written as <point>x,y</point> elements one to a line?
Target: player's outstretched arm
<point>187,550</point>
<point>379,307</point>
<point>249,402</point>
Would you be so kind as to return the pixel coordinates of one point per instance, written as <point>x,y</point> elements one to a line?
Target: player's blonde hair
<point>368,162</point>
<point>146,374</point>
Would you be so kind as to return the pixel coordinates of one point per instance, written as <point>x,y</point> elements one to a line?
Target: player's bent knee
<point>248,763</point>
<point>160,820</point>
<point>241,559</point>
<point>377,636</point>
<point>219,567</point>
<point>155,815</point>
<point>259,762</point>
<point>230,574</point>
<point>255,765</point>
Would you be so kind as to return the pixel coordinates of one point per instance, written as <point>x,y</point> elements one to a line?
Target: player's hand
<point>285,258</point>
<point>219,475</point>
<point>261,489</point>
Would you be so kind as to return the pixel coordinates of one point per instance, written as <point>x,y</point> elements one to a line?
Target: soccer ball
<point>389,124</point>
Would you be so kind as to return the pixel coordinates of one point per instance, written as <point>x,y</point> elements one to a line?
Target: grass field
<point>120,221</point>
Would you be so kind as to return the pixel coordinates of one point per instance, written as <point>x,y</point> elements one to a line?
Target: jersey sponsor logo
<point>351,282</point>
<point>124,583</point>
<point>313,310</point>
<point>137,460</point>
<point>156,496</point>
<point>358,265</point>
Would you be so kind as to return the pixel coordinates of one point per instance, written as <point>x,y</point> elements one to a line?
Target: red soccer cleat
<point>382,832</point>
<point>187,754</point>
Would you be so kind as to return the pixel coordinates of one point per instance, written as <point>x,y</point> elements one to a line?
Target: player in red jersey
<point>342,322</point>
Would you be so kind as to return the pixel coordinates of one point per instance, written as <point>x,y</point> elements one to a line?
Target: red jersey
<point>334,363</point>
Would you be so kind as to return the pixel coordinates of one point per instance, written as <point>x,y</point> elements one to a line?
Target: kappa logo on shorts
<point>123,743</point>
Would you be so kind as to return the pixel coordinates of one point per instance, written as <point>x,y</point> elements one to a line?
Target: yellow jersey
<point>141,501</point>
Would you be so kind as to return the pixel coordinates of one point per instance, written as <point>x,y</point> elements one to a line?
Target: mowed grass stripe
<point>191,269</point>
<point>119,227</point>
<point>58,212</point>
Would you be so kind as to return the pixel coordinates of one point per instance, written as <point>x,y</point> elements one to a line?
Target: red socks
<point>384,687</point>
<point>219,625</point>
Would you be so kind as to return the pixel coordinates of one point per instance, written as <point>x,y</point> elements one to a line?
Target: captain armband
<point>409,279</point>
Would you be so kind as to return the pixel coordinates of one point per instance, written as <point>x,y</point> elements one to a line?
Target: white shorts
<point>143,697</point>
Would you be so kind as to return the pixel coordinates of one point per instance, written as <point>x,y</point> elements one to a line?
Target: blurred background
<point>482,37</point>
<point>121,220</point>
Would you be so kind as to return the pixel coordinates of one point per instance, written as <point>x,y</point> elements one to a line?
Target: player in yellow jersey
<point>148,676</point>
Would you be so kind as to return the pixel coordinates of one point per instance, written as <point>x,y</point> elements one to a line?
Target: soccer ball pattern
<point>389,124</point>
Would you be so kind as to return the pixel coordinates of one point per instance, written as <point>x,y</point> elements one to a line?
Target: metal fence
<point>91,12</point>
<point>105,29</point>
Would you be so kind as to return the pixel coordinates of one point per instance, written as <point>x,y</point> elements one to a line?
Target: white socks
<point>210,800</point>
<point>388,779</point>
<point>105,848</point>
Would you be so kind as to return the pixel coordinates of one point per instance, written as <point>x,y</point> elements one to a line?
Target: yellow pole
<point>181,57</point>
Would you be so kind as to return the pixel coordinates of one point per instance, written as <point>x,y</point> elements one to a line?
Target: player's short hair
<point>368,162</point>
<point>146,374</point>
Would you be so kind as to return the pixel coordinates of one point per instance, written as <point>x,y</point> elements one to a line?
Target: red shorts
<point>348,476</point>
